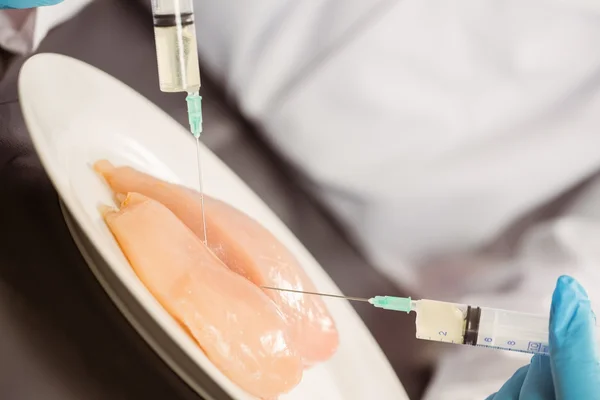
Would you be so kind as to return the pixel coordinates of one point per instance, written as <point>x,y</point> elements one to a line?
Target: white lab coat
<point>430,128</point>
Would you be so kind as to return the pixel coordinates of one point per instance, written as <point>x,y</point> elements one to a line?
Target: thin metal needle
<point>201,187</point>
<point>318,294</point>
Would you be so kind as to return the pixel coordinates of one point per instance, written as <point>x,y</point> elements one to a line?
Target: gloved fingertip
<point>573,348</point>
<point>564,279</point>
<point>569,296</point>
<point>571,312</point>
<point>568,282</point>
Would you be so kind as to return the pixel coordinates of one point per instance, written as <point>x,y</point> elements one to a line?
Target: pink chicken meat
<point>248,249</point>
<point>240,330</point>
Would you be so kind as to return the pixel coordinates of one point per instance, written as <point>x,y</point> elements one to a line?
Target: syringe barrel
<point>483,326</point>
<point>176,47</point>
<point>516,331</point>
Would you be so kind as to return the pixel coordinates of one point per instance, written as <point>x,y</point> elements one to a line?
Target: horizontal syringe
<point>469,325</point>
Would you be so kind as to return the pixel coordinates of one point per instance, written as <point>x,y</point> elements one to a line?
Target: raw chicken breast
<point>247,248</point>
<point>241,331</point>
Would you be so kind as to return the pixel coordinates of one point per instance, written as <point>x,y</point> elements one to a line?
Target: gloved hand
<point>27,3</point>
<point>572,372</point>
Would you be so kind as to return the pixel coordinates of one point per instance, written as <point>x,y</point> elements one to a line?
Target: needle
<point>318,294</point>
<point>200,187</point>
<point>404,304</point>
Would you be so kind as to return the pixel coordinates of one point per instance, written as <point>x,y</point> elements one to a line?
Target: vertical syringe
<point>178,65</point>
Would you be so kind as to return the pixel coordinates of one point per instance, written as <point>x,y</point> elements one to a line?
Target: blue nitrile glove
<point>27,3</point>
<point>572,372</point>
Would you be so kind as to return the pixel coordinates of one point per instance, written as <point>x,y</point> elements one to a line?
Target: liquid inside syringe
<point>176,46</point>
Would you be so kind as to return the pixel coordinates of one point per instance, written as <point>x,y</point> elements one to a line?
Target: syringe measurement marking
<point>437,340</point>
<point>532,347</point>
<point>509,349</point>
<point>544,349</point>
<point>509,344</point>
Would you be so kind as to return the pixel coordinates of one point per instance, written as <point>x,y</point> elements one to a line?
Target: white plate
<point>77,114</point>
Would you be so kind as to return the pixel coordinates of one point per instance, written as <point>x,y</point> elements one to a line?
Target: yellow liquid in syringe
<point>177,57</point>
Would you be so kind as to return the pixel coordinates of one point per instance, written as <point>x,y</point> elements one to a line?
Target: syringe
<point>464,324</point>
<point>178,64</point>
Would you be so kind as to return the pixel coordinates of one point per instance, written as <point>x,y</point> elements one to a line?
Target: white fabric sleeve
<point>427,127</point>
<point>261,48</point>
